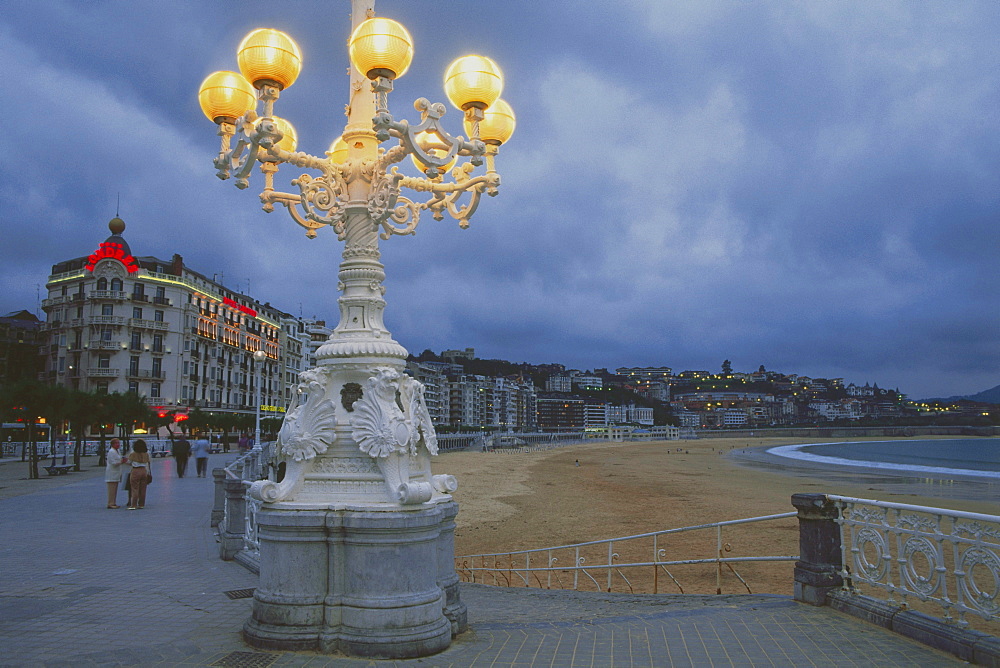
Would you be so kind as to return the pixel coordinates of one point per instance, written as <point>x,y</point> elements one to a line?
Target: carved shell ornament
<point>378,424</point>
<point>308,429</point>
<point>412,393</point>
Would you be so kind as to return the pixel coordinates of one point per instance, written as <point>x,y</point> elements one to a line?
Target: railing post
<point>818,570</point>
<point>232,530</point>
<point>219,505</point>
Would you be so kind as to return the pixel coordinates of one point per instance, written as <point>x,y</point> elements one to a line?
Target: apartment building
<point>116,322</point>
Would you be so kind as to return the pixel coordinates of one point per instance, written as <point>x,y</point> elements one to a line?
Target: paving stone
<point>81,586</point>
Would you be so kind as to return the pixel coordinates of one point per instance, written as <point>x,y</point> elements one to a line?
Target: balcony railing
<point>161,300</point>
<point>97,344</point>
<point>141,323</point>
<point>101,372</point>
<point>106,320</point>
<point>145,374</point>
<point>136,297</point>
<point>117,295</point>
<point>55,301</point>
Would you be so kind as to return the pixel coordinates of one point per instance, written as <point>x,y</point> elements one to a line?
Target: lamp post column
<point>259,361</point>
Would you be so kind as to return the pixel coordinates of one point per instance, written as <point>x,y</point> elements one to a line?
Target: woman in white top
<point>113,472</point>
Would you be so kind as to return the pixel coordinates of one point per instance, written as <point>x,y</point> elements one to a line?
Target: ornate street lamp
<point>357,541</point>
<point>259,358</point>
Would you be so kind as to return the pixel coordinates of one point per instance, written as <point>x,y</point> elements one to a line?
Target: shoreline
<point>935,484</point>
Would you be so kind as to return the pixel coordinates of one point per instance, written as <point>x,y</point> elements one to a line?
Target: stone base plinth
<point>366,581</point>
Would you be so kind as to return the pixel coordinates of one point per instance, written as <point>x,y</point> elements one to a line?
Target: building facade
<point>118,323</point>
<point>20,346</point>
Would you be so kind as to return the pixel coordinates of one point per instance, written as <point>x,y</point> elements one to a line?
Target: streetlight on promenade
<point>357,541</point>
<point>259,358</point>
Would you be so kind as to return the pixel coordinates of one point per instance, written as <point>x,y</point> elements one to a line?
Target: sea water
<point>974,457</point>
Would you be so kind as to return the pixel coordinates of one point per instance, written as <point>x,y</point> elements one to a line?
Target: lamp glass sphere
<point>497,125</point>
<point>226,95</point>
<point>473,81</point>
<point>338,151</point>
<point>381,47</point>
<point>433,146</point>
<point>269,56</point>
<point>289,140</point>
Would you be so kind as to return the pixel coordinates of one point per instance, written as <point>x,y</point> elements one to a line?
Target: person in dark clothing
<point>181,452</point>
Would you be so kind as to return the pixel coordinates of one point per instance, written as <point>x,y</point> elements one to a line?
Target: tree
<point>130,408</point>
<point>26,401</point>
<point>79,411</point>
<point>727,368</point>
<point>103,414</point>
<point>198,420</point>
<point>226,422</point>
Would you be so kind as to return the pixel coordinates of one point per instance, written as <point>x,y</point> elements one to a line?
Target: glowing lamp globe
<point>473,81</point>
<point>226,95</point>
<point>267,56</point>
<point>433,146</point>
<point>337,151</point>
<point>289,140</point>
<point>497,125</point>
<point>381,47</point>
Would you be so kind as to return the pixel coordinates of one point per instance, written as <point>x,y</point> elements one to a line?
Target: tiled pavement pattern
<point>81,585</point>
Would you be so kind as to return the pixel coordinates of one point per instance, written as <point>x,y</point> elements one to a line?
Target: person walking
<point>140,475</point>
<point>200,451</point>
<point>181,452</point>
<point>113,472</point>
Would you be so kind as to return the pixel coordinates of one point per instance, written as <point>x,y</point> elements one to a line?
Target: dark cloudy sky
<point>811,186</point>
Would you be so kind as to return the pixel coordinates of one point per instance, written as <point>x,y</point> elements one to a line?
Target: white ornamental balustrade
<point>944,557</point>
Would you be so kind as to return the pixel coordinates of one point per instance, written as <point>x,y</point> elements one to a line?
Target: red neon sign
<point>239,307</point>
<point>115,251</point>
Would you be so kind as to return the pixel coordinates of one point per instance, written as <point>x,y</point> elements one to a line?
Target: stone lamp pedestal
<point>357,541</point>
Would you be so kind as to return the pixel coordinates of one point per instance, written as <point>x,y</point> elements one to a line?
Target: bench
<point>59,469</point>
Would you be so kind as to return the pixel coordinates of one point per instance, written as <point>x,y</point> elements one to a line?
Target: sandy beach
<point>513,501</point>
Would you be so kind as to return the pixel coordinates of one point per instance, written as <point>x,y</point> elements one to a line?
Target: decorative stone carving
<point>308,430</point>
<point>392,425</point>
<point>350,393</point>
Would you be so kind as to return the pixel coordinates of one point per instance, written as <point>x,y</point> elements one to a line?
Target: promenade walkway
<point>81,585</point>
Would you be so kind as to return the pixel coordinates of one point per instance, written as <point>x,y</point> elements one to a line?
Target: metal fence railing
<point>634,563</point>
<point>158,447</point>
<point>945,557</point>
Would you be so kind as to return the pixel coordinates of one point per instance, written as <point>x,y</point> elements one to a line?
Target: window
<point>133,387</point>
<point>104,361</point>
<point>137,312</point>
<point>116,284</point>
<point>63,291</point>
<point>157,367</point>
<point>102,387</point>
<point>161,292</point>
<point>154,390</point>
<point>79,311</point>
<point>138,290</point>
<point>136,341</point>
<point>157,343</point>
<point>102,283</point>
<point>62,364</point>
<point>107,309</point>
<point>133,365</point>
<point>185,392</point>
<point>158,316</point>
<point>105,334</point>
